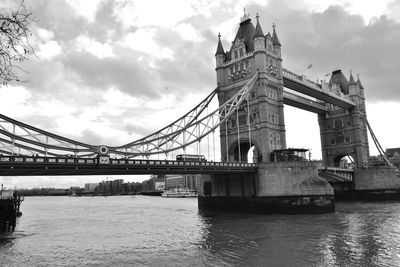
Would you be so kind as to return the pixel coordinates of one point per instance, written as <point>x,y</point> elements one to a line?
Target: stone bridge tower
<point>344,132</point>
<point>264,126</point>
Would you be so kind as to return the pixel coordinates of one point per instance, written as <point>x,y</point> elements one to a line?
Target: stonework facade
<point>260,120</point>
<point>344,131</point>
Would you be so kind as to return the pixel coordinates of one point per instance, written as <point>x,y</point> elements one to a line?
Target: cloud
<point>49,50</point>
<point>86,9</point>
<point>335,38</point>
<point>93,47</point>
<point>143,40</point>
<point>125,73</point>
<point>153,12</point>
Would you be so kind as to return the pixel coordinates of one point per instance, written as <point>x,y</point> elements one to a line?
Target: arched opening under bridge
<point>344,161</point>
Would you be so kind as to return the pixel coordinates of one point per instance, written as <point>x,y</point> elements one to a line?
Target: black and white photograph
<point>199,133</point>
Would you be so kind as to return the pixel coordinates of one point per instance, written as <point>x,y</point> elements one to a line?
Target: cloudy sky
<point>110,72</point>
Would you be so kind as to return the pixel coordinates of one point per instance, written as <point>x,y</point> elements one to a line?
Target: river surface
<point>154,231</point>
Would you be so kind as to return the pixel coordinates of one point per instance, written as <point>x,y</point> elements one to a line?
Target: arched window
<point>241,52</point>
<point>235,53</point>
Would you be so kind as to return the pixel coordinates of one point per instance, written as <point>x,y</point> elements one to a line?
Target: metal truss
<point>17,138</point>
<point>186,130</point>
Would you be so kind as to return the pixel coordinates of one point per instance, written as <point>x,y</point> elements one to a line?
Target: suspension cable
<point>248,121</point>
<point>380,149</point>
<point>238,132</point>
<point>213,133</point>
<point>168,137</point>
<point>208,141</point>
<point>226,141</point>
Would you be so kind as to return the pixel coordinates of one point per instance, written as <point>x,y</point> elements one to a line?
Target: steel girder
<point>18,138</point>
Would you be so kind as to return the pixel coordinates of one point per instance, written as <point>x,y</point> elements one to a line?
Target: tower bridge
<point>251,91</point>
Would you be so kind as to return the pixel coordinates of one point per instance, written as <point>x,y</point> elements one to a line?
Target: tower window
<point>247,64</point>
<point>235,53</point>
<point>338,124</point>
<point>243,66</point>
<point>241,52</point>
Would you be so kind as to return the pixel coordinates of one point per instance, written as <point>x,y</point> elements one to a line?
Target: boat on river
<point>179,193</point>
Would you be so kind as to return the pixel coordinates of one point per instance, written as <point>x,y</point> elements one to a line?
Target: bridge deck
<point>39,166</point>
<point>336,175</point>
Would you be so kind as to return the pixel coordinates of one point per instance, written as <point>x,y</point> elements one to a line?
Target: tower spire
<point>259,31</point>
<point>359,82</point>
<point>220,48</point>
<point>245,17</point>
<point>351,79</point>
<point>275,40</point>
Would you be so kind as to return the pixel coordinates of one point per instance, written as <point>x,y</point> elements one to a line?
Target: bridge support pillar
<point>376,183</point>
<point>278,187</point>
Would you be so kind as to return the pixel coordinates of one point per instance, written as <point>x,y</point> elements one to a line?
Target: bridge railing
<point>346,174</point>
<point>24,160</point>
<point>316,86</point>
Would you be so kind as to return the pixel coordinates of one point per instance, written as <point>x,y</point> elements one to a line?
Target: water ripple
<point>152,231</point>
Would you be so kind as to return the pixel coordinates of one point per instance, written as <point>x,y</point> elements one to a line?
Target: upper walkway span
<point>305,86</point>
<point>304,103</point>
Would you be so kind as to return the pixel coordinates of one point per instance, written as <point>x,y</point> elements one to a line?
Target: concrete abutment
<point>378,183</point>
<point>278,187</point>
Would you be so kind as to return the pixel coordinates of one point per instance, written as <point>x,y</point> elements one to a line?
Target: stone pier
<point>277,187</point>
<point>376,183</point>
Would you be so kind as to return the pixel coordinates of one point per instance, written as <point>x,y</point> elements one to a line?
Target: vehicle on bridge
<point>189,157</point>
<point>289,154</point>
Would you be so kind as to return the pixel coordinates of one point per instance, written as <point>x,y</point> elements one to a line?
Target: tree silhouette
<point>14,42</point>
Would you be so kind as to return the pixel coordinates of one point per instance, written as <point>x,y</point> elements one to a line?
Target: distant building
<point>159,183</point>
<point>132,188</point>
<point>115,187</point>
<point>91,187</point>
<point>191,181</point>
<point>393,153</point>
<point>148,185</point>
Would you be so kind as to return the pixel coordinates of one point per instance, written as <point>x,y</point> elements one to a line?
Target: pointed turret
<point>359,82</point>
<point>352,87</point>
<point>259,31</point>
<point>220,57</point>
<point>275,40</point>
<point>220,48</point>
<point>351,80</point>
<point>259,48</point>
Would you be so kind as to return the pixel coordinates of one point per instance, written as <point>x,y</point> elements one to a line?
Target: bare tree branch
<point>14,41</point>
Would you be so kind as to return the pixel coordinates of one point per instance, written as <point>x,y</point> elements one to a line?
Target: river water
<point>154,231</point>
